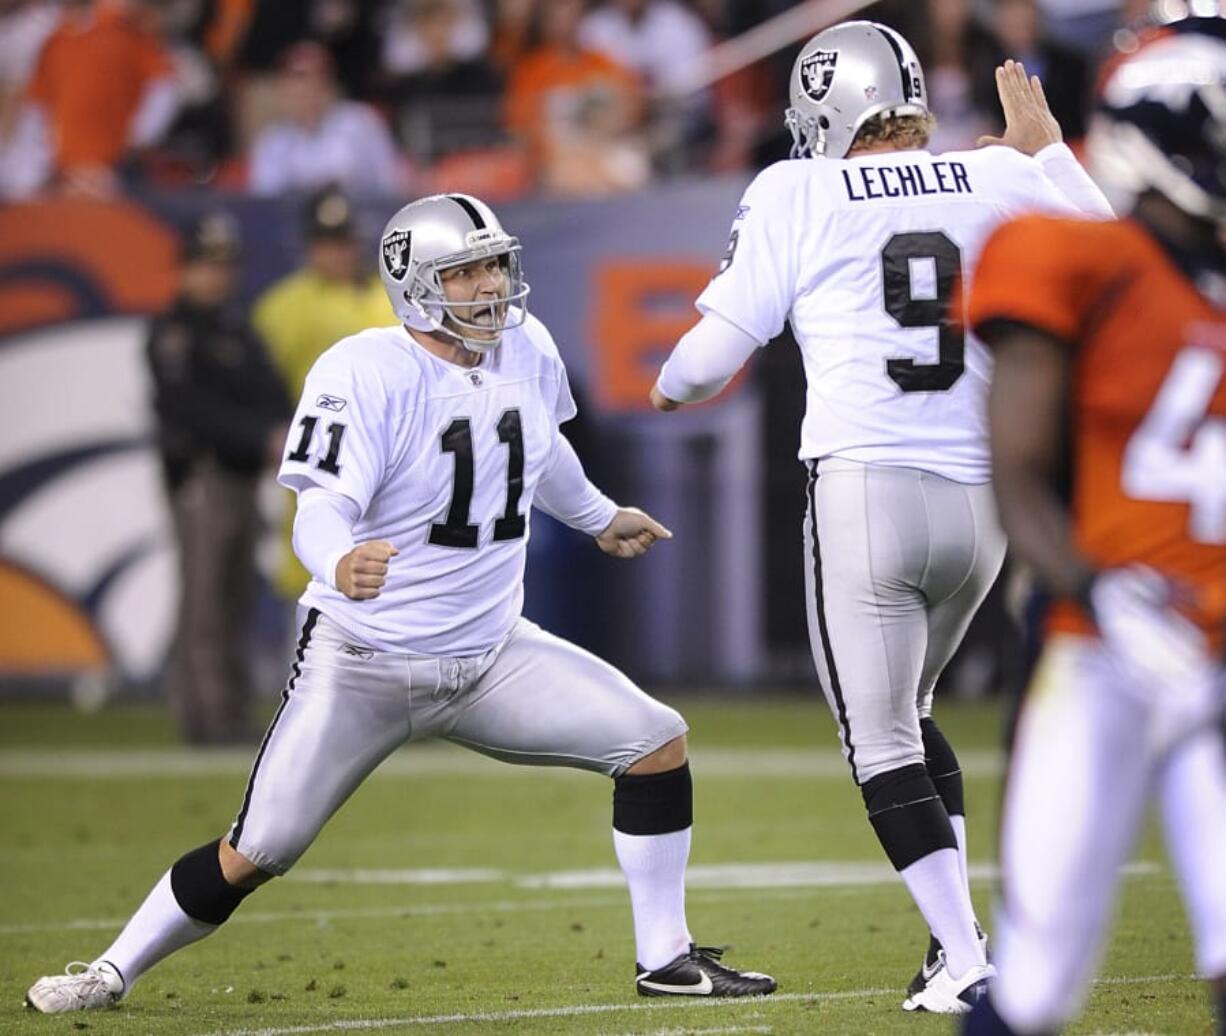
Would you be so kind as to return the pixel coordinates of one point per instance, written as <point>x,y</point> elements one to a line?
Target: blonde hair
<point>904,132</point>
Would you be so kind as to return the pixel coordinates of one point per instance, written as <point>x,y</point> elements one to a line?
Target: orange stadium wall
<point>87,561</point>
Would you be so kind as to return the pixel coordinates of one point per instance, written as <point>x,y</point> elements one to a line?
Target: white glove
<point>1164,657</point>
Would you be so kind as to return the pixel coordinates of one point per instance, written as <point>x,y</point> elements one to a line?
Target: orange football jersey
<point>1148,396</point>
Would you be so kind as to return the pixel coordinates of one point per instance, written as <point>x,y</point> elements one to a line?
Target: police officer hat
<point>330,214</point>
<point>213,237</point>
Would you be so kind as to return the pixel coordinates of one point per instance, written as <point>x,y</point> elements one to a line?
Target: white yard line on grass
<point>725,1030</point>
<point>430,760</point>
<point>800,874</point>
<point>706,883</point>
<point>579,1010</point>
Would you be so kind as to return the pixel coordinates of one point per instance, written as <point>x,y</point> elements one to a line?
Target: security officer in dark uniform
<point>221,412</point>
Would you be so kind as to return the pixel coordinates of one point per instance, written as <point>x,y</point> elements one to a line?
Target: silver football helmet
<point>434,234</point>
<point>843,77</point>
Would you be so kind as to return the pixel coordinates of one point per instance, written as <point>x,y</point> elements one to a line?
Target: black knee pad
<point>907,814</point>
<point>201,889</point>
<point>653,803</point>
<point>943,768</point>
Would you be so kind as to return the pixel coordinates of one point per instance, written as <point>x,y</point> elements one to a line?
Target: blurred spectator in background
<point>203,36</point>
<point>24,28</point>
<point>102,88</point>
<point>221,412</point>
<point>947,43</point>
<point>660,40</point>
<point>578,113</point>
<point>509,36</point>
<point>446,93</point>
<point>419,32</point>
<point>1018,30</point>
<point>321,138</point>
<point>331,297</point>
<point>1085,25</point>
<point>348,29</point>
<point>656,38</point>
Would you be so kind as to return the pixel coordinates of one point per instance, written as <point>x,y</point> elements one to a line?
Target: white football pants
<point>897,562</point>
<point>534,699</point>
<point>1082,772</point>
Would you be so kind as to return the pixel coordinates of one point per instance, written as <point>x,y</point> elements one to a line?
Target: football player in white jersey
<point>864,252</point>
<point>418,451</point>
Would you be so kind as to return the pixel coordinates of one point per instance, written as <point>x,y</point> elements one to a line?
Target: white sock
<point>654,866</point>
<point>958,823</point>
<point>936,884</point>
<point>155,931</point>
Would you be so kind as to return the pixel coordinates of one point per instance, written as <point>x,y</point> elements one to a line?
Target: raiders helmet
<point>433,234</point>
<point>1160,121</point>
<point>843,77</point>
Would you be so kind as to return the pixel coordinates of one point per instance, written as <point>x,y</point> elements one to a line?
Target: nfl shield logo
<point>397,248</point>
<point>817,73</point>
<point>870,93</point>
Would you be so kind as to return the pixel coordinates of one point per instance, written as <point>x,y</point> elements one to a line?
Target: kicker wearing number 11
<point>418,452</point>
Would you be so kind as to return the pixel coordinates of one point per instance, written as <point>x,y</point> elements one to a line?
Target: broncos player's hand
<point>631,534</point>
<point>361,573</point>
<point>1164,656</point>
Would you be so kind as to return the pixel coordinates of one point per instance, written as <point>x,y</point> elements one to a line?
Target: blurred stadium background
<point>614,137</point>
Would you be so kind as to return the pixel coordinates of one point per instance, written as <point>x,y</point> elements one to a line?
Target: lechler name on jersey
<point>865,182</point>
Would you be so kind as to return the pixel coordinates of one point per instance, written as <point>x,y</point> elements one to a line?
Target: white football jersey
<point>442,462</point>
<point>864,256</point>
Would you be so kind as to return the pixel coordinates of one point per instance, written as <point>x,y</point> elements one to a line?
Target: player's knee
<point>669,756</point>
<point>943,767</point>
<point>654,803</point>
<point>201,887</point>
<point>238,870</point>
<point>907,814</point>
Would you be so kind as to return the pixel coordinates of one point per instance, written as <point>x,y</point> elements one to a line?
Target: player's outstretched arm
<point>361,573</point>
<point>1029,124</point>
<point>705,359</point>
<point>631,534</point>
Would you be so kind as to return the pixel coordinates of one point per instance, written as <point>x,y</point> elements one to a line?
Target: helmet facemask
<point>458,319</point>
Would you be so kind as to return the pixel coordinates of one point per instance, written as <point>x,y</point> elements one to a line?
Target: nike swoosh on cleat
<point>702,988</point>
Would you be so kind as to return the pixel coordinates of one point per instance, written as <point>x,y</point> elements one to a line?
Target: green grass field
<point>458,895</point>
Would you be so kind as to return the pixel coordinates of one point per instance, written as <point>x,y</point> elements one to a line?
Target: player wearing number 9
<point>418,452</point>
<point>864,252</point>
<point>1110,346</point>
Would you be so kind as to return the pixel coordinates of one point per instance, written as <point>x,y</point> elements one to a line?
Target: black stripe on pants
<point>819,604</point>
<point>295,672</point>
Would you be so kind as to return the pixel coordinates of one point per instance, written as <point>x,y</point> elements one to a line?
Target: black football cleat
<point>698,972</point>
<point>933,962</point>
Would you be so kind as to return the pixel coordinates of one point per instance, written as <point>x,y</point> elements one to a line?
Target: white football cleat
<point>944,994</point>
<point>86,989</point>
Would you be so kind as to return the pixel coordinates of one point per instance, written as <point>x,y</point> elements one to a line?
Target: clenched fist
<point>361,573</point>
<point>631,534</point>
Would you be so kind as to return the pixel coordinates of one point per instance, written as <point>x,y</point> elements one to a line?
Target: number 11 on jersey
<point>302,452</point>
<point>457,439</point>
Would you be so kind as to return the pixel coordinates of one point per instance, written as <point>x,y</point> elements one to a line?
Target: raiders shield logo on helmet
<point>397,247</point>
<point>817,73</point>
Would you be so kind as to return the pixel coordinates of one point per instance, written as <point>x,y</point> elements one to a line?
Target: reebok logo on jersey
<point>817,73</point>
<point>333,403</point>
<point>397,251</point>
<point>741,212</point>
<point>353,651</point>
